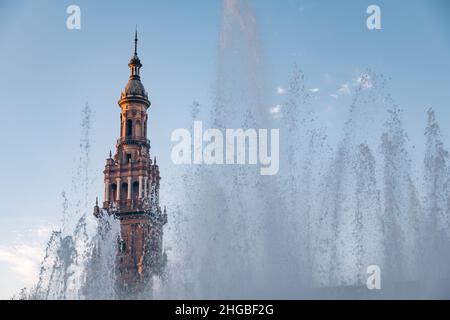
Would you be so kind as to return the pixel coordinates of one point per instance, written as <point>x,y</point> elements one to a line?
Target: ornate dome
<point>134,87</point>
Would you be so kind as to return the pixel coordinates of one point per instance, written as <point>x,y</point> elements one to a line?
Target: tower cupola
<point>134,90</point>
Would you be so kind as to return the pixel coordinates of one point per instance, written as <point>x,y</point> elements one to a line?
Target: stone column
<point>118,189</point>
<point>107,190</point>
<point>145,187</point>
<point>129,188</point>
<point>140,187</point>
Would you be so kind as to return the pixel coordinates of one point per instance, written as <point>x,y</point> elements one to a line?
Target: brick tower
<point>132,182</point>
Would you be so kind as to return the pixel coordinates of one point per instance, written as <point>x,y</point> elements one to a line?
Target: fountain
<point>309,232</point>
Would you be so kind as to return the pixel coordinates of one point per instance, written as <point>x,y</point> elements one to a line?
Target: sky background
<point>48,73</point>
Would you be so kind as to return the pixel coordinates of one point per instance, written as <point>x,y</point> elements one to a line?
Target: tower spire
<point>134,89</point>
<point>135,41</point>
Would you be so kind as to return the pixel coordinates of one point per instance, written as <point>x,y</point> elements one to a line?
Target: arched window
<point>124,191</point>
<point>113,192</point>
<point>138,129</point>
<point>129,128</point>
<point>135,190</point>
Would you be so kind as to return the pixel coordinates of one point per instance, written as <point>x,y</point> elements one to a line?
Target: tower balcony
<point>133,140</point>
<point>128,207</point>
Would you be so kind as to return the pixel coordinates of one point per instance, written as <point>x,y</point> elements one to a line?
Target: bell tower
<point>132,183</point>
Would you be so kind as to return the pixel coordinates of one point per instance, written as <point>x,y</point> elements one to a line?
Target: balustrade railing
<point>133,140</point>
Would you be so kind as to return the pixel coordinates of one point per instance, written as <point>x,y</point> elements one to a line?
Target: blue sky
<point>49,72</point>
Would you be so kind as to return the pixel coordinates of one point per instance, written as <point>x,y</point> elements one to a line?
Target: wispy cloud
<point>344,90</point>
<point>44,231</point>
<point>23,260</point>
<point>25,256</point>
<point>314,90</point>
<point>276,111</point>
<point>281,90</point>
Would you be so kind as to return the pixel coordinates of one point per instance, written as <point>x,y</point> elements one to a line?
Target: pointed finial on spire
<point>96,201</point>
<point>154,162</point>
<point>110,154</point>
<point>135,42</point>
